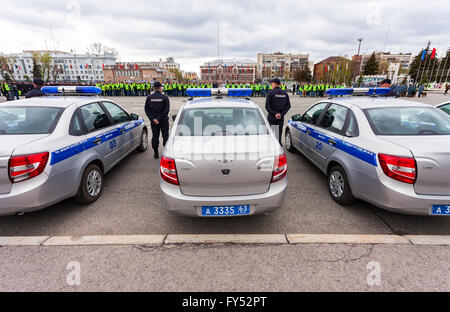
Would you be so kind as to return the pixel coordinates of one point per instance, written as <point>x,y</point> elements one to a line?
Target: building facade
<point>229,71</point>
<point>190,76</point>
<point>280,65</point>
<point>386,60</point>
<point>140,71</point>
<point>168,64</point>
<point>64,66</point>
<point>333,69</point>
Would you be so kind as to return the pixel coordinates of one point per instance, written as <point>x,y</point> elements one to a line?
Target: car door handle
<point>332,142</point>
<point>308,131</point>
<point>97,141</point>
<point>122,130</point>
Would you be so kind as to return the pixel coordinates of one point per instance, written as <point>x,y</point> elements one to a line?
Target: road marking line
<point>345,239</point>
<point>104,240</point>
<point>22,240</point>
<point>86,240</point>
<point>429,239</point>
<point>226,238</point>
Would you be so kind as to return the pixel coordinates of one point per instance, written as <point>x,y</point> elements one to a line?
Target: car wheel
<point>91,185</point>
<point>144,142</point>
<point>339,186</point>
<point>288,142</point>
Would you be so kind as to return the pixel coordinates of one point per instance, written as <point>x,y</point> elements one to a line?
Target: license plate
<point>230,210</point>
<point>440,210</point>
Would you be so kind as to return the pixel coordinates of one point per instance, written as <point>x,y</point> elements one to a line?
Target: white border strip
<point>346,239</point>
<point>223,238</point>
<point>104,240</point>
<point>227,238</point>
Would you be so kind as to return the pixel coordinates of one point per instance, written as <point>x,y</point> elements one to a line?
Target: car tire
<point>144,141</point>
<point>339,186</point>
<point>288,142</point>
<point>91,185</point>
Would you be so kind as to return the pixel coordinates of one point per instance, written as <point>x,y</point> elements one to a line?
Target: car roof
<point>219,102</point>
<point>365,102</point>
<point>53,101</point>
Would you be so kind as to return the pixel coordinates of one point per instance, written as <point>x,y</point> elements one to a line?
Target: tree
<point>178,74</point>
<point>303,75</point>
<point>37,71</point>
<point>95,48</point>
<point>372,65</point>
<point>46,60</point>
<point>98,48</point>
<point>359,81</point>
<point>7,67</point>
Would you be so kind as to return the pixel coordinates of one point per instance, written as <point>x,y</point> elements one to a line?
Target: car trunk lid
<point>224,165</point>
<point>432,155</point>
<point>8,143</point>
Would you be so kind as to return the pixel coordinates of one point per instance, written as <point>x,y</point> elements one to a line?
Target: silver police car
<point>392,153</point>
<point>56,147</point>
<point>445,107</point>
<point>222,159</point>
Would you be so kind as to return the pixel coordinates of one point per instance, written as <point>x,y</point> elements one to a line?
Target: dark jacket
<point>157,106</point>
<point>34,93</point>
<point>277,102</point>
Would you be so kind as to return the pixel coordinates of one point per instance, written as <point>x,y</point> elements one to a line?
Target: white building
<point>64,66</point>
<point>280,64</point>
<point>168,64</point>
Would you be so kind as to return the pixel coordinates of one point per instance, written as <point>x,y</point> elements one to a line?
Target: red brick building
<point>231,71</point>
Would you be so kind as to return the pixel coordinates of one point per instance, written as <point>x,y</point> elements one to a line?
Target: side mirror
<point>174,117</point>
<point>296,117</point>
<point>134,116</point>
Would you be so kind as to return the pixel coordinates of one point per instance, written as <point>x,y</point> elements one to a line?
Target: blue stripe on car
<point>79,147</point>
<point>354,150</point>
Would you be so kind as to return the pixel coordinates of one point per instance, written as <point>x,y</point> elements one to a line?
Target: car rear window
<point>408,121</point>
<point>221,121</point>
<point>28,120</point>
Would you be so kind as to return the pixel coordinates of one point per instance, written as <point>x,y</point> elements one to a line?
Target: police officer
<point>157,108</point>
<point>36,91</point>
<point>277,105</point>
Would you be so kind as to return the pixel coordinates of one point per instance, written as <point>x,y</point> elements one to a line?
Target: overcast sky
<point>187,29</point>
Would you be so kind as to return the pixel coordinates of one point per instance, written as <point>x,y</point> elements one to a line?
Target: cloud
<point>187,30</point>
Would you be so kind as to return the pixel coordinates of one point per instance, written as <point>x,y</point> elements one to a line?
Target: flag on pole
<point>423,54</point>
<point>433,53</point>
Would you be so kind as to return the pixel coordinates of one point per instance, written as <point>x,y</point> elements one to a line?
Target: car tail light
<point>168,170</point>
<point>25,167</point>
<point>399,168</point>
<point>280,168</point>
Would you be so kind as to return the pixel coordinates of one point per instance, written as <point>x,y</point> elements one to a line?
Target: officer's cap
<point>157,84</point>
<point>387,80</point>
<point>275,80</point>
<point>38,82</point>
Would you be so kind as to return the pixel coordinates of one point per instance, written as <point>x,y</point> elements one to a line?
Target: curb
<point>171,239</point>
<point>227,238</point>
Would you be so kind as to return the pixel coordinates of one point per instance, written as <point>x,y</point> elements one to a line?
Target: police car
<point>222,159</point>
<point>56,147</point>
<point>445,107</point>
<point>392,153</point>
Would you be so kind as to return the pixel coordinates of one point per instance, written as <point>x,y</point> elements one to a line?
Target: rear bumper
<point>401,198</point>
<point>178,203</point>
<point>34,194</point>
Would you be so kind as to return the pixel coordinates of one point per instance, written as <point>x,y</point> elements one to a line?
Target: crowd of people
<point>14,90</point>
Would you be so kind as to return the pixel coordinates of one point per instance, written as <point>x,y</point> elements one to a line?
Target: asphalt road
<point>226,268</point>
<point>132,204</point>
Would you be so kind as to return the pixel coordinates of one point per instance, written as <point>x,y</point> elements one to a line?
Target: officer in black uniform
<point>277,105</point>
<point>157,108</point>
<point>36,91</point>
